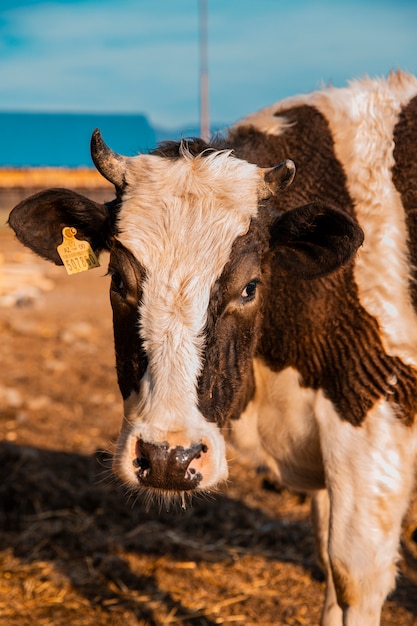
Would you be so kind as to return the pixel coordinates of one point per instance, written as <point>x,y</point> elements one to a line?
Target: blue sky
<point>142,55</point>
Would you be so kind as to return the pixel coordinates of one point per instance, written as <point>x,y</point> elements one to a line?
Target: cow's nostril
<point>202,448</point>
<point>142,463</point>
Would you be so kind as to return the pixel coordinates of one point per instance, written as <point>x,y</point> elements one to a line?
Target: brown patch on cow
<point>404,176</point>
<point>320,328</point>
<point>125,295</point>
<point>227,383</point>
<point>308,141</point>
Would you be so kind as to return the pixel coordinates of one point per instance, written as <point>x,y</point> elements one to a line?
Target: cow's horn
<point>110,164</point>
<point>277,178</point>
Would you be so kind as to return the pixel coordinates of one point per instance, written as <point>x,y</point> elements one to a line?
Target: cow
<point>247,313</point>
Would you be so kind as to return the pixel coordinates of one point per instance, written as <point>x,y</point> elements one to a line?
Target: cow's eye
<point>117,283</point>
<point>249,291</point>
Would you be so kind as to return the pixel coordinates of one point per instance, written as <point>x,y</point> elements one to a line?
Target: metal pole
<point>204,82</point>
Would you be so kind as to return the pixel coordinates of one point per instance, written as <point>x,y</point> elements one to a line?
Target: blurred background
<point>144,71</point>
<point>133,67</point>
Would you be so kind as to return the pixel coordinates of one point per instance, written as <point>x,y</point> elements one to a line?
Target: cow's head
<point>190,245</point>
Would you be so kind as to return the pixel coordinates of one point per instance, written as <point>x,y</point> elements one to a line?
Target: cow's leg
<point>320,514</point>
<point>369,474</point>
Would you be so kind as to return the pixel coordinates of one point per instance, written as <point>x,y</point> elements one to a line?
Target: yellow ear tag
<point>77,255</point>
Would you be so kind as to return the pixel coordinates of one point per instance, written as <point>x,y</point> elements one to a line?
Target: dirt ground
<point>75,548</point>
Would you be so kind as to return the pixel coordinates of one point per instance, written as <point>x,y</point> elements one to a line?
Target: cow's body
<point>228,319</point>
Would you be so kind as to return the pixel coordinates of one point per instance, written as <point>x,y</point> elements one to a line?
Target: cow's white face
<point>178,221</point>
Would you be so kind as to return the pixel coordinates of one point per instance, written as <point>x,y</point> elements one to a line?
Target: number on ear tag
<point>77,255</point>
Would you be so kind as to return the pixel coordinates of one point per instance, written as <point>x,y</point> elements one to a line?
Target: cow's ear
<point>314,240</point>
<point>38,221</point>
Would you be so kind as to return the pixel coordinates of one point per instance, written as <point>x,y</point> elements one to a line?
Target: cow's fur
<point>239,312</point>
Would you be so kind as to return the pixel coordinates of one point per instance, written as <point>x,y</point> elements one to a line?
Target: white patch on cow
<point>180,218</point>
<point>278,429</point>
<point>369,475</point>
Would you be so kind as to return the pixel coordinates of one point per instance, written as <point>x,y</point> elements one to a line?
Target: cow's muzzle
<point>160,466</point>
